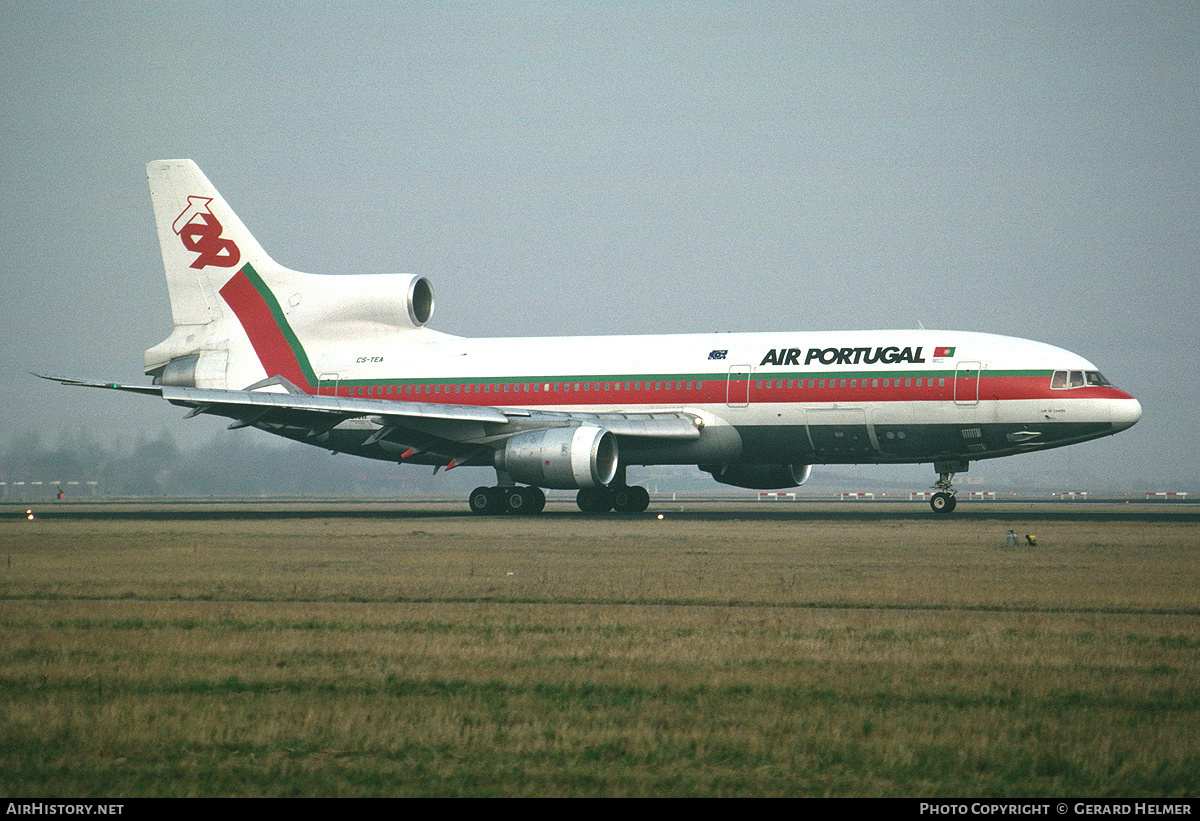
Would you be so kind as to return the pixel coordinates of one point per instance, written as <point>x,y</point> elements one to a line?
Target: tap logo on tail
<point>200,233</point>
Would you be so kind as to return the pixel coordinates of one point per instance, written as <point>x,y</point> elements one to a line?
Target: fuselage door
<point>327,384</point>
<point>966,383</point>
<point>737,388</point>
<point>840,434</point>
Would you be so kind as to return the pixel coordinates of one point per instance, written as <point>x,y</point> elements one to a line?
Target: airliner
<point>347,363</point>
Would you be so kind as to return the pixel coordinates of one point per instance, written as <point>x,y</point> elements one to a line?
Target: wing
<point>421,432</point>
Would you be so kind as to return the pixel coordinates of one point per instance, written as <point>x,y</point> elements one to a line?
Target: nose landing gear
<point>946,498</point>
<point>943,502</point>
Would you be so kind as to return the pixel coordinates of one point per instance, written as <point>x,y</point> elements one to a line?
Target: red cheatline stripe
<point>716,391</point>
<point>269,343</point>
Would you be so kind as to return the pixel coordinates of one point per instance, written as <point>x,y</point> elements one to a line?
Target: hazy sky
<point>558,168</point>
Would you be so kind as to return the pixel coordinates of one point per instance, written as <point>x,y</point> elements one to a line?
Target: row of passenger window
<point>555,387</point>
<point>1065,380</point>
<point>509,387</point>
<point>909,382</point>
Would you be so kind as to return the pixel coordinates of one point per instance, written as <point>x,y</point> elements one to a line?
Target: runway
<point>698,509</point>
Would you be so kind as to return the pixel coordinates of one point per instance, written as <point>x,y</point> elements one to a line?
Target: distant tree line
<point>230,465</point>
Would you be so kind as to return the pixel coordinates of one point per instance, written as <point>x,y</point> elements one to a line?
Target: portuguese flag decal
<point>943,352</point>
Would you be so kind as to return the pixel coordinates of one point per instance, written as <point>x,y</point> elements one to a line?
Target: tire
<point>535,499</point>
<point>634,499</point>
<point>943,503</point>
<point>622,499</point>
<point>482,501</point>
<point>515,501</point>
<point>594,499</point>
<point>586,499</point>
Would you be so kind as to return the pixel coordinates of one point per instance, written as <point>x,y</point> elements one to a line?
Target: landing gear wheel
<point>515,501</point>
<point>630,499</point>
<point>525,501</point>
<point>943,502</point>
<point>594,499</point>
<point>534,499</point>
<point>483,501</point>
<point>492,500</point>
<point>621,499</point>
<point>641,499</point>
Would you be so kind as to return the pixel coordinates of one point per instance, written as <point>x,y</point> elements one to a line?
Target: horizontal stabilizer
<point>150,390</point>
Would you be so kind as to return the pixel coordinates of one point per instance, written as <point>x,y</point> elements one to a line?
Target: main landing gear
<point>621,498</point>
<point>507,497</point>
<point>510,499</point>
<point>488,501</point>
<point>618,496</point>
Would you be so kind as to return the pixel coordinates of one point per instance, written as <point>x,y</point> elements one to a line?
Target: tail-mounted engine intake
<point>563,458</point>
<point>760,477</point>
<point>420,301</point>
<point>335,306</point>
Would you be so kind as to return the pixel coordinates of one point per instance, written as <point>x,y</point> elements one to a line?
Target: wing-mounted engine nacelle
<point>760,477</point>
<point>564,458</point>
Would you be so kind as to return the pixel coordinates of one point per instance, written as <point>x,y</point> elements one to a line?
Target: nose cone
<point>1124,413</point>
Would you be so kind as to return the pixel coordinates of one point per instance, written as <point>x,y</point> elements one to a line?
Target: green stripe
<point>277,312</point>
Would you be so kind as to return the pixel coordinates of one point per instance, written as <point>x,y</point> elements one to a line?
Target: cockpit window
<point>1065,380</point>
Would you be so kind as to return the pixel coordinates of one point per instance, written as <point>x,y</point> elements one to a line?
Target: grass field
<point>576,656</point>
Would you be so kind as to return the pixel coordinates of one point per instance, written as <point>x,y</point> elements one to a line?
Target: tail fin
<point>204,246</point>
<point>203,242</point>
